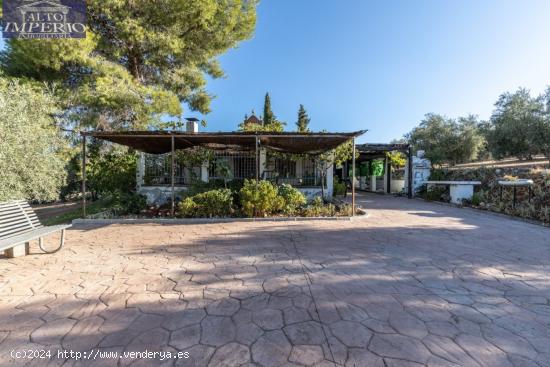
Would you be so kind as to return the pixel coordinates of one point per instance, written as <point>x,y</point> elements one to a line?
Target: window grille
<point>284,170</point>
<point>239,165</point>
<point>285,167</point>
<point>157,171</point>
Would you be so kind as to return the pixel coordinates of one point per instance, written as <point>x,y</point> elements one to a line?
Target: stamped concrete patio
<point>416,284</point>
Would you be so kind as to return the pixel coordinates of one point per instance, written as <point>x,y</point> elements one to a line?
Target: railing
<point>165,180</point>
<point>158,172</point>
<point>305,181</point>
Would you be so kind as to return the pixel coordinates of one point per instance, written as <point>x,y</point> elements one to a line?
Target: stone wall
<point>488,195</point>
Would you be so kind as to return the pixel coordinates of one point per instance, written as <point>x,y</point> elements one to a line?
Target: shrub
<point>110,169</point>
<point>317,208</point>
<point>339,187</point>
<point>129,203</point>
<point>187,208</point>
<point>439,175</point>
<point>213,203</point>
<point>293,199</point>
<point>317,201</point>
<point>476,199</point>
<point>328,210</point>
<point>435,194</point>
<point>31,159</point>
<point>260,198</point>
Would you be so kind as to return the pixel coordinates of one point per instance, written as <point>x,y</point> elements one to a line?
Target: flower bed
<point>248,199</point>
<point>257,199</point>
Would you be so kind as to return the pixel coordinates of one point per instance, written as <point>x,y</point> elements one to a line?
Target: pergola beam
<point>409,174</point>
<point>172,173</point>
<point>84,176</point>
<point>353,178</point>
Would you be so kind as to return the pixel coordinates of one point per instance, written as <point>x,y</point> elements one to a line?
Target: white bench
<point>460,190</point>
<point>522,182</point>
<point>19,225</point>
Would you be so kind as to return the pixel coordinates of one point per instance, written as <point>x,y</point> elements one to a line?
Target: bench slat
<point>14,203</point>
<point>19,224</point>
<point>15,231</point>
<point>6,236</point>
<point>11,216</point>
<point>11,203</point>
<point>29,236</point>
<point>17,218</point>
<point>13,222</point>
<point>5,218</point>
<point>10,211</point>
<point>22,223</point>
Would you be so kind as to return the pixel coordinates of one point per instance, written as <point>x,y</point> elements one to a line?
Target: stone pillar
<point>299,168</point>
<point>140,171</point>
<point>330,183</point>
<point>263,161</point>
<point>204,172</point>
<point>387,175</point>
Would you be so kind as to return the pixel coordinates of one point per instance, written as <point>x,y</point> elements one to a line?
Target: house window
<point>158,171</point>
<point>285,167</point>
<point>236,165</point>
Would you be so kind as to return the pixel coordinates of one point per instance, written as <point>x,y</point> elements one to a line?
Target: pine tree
<point>269,117</point>
<point>139,61</point>
<point>303,120</point>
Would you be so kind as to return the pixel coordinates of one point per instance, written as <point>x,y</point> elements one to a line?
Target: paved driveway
<point>415,284</point>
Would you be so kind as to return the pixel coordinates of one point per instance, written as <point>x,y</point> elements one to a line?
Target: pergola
<point>373,151</point>
<point>162,142</point>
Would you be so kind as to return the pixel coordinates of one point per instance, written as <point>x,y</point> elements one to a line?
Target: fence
<point>228,165</point>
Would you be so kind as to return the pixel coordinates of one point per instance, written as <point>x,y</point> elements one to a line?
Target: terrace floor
<point>415,284</point>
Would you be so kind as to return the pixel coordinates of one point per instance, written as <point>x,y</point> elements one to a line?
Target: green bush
<point>293,199</point>
<point>476,199</point>
<point>339,187</point>
<point>214,203</point>
<point>317,208</point>
<point>129,203</point>
<point>260,198</point>
<point>32,164</point>
<point>110,169</point>
<point>187,208</point>
<point>439,175</point>
<point>435,194</point>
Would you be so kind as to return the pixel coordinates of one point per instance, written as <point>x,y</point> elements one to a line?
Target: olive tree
<point>31,162</point>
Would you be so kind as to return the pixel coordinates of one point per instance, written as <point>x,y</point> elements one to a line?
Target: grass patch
<point>91,208</point>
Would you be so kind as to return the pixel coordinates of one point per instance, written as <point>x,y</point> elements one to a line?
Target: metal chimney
<point>191,125</point>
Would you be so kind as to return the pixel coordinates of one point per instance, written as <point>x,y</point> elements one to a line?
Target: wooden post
<point>257,160</point>
<point>388,175</point>
<point>83,176</point>
<point>409,174</point>
<point>353,178</point>
<point>172,172</point>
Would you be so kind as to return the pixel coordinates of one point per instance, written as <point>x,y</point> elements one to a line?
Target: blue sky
<point>382,65</point>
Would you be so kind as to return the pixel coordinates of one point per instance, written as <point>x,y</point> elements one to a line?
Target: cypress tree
<point>303,120</point>
<point>269,117</point>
